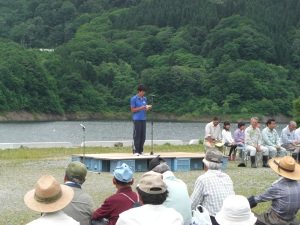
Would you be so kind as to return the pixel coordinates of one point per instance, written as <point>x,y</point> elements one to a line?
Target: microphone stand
<point>152,96</point>
<point>83,129</point>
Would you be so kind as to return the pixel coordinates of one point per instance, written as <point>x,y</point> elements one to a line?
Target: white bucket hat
<point>236,211</point>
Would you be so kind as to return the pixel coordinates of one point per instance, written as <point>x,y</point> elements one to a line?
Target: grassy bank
<point>188,117</point>
<point>21,168</point>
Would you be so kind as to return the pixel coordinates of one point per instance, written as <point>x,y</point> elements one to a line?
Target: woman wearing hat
<point>284,194</point>
<point>49,197</point>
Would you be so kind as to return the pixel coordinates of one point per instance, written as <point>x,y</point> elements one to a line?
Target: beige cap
<point>152,183</point>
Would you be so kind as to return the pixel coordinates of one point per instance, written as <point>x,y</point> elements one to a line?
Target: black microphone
<point>83,127</point>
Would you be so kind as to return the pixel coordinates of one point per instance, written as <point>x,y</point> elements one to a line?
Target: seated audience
<point>253,143</point>
<point>236,211</point>
<point>297,135</point>
<point>284,194</point>
<point>153,192</point>
<point>49,198</point>
<point>270,139</point>
<point>81,206</point>
<point>122,200</point>
<point>178,196</point>
<point>213,186</point>
<point>288,140</point>
<point>213,135</point>
<point>228,140</point>
<point>239,137</point>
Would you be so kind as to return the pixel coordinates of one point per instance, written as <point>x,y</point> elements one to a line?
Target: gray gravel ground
<point>18,177</point>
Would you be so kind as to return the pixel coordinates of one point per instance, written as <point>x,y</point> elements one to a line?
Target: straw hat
<point>286,167</point>
<point>235,211</point>
<point>48,195</point>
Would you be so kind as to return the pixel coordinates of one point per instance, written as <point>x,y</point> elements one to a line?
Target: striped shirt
<point>211,189</point>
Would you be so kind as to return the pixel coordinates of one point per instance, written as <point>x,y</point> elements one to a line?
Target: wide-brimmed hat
<point>48,195</point>
<point>123,173</point>
<point>235,211</point>
<point>286,167</point>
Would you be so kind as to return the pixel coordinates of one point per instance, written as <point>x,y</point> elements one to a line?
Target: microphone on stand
<point>83,129</point>
<point>152,96</point>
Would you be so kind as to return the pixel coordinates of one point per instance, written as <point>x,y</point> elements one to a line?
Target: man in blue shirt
<point>138,104</point>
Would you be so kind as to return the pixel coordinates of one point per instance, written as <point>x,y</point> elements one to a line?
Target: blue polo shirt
<point>137,102</point>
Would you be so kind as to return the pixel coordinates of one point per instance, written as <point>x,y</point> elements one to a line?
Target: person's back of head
<point>123,175</point>
<point>213,160</point>
<point>161,168</point>
<point>76,172</point>
<point>152,189</point>
<point>158,165</point>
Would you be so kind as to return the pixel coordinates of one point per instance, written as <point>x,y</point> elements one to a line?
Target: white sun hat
<point>236,211</point>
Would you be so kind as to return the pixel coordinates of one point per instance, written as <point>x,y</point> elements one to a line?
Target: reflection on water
<point>71,131</point>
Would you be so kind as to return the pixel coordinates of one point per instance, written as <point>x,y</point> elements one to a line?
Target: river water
<point>71,131</point>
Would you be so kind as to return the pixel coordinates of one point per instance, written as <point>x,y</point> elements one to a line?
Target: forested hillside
<point>199,57</point>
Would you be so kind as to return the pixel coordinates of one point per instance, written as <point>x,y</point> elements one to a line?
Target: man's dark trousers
<point>139,135</point>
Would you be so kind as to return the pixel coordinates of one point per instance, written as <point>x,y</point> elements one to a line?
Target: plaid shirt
<point>211,189</point>
<point>285,196</point>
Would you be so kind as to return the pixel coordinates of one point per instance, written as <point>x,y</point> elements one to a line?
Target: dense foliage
<point>198,57</point>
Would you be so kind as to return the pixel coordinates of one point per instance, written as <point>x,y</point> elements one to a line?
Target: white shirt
<point>149,215</point>
<point>226,136</point>
<point>213,131</point>
<point>58,217</point>
<point>297,134</point>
